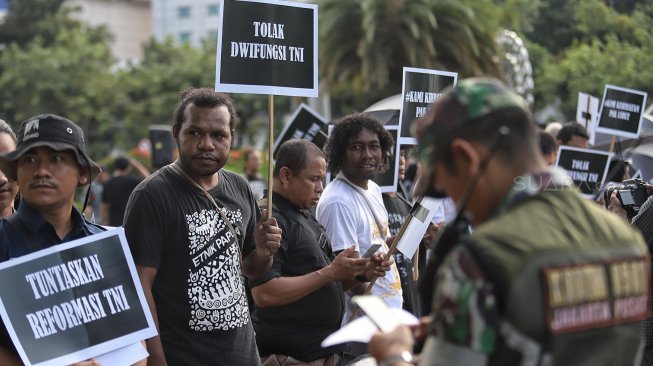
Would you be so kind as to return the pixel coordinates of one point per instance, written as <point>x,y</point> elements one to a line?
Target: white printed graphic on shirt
<point>215,286</point>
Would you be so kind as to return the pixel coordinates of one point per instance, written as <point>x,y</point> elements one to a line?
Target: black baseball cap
<point>55,132</point>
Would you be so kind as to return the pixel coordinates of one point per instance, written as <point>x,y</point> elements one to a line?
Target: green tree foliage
<point>50,62</point>
<point>43,19</point>
<point>71,77</point>
<point>31,18</point>
<point>599,45</point>
<point>365,44</point>
<point>152,89</point>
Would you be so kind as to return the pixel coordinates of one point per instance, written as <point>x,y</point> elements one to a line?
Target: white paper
<point>124,356</point>
<point>362,329</point>
<point>416,229</point>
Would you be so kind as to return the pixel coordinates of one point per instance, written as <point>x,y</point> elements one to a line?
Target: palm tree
<point>368,42</point>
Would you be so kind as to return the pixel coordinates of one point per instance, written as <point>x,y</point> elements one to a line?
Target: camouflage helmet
<point>470,100</point>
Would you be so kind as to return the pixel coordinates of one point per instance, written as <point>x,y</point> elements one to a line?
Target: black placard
<point>163,145</point>
<point>305,124</point>
<point>267,48</point>
<point>421,87</point>
<point>61,301</point>
<point>587,168</point>
<point>621,111</point>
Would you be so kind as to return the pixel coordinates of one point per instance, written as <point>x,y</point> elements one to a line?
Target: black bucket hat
<point>49,130</point>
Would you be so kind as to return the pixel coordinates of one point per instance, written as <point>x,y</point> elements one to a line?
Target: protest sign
<point>587,168</point>
<point>421,87</point>
<point>419,220</point>
<point>305,124</point>
<point>74,301</point>
<point>621,111</point>
<point>587,114</point>
<point>267,47</point>
<point>387,180</point>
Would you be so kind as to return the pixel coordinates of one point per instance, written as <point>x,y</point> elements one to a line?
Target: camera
<point>631,193</point>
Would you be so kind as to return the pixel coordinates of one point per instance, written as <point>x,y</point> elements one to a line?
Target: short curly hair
<point>295,154</point>
<point>204,98</point>
<point>352,125</point>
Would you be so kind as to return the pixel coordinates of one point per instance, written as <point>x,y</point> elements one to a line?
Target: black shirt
<point>398,209</point>
<point>297,329</point>
<point>116,194</point>
<point>198,291</point>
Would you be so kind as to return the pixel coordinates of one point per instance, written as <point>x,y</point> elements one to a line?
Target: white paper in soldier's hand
<point>362,329</point>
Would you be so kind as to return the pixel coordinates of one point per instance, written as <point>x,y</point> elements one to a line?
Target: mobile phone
<point>378,312</point>
<point>370,252</point>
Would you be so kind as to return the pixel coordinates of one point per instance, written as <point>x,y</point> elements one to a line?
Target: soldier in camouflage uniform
<point>546,277</point>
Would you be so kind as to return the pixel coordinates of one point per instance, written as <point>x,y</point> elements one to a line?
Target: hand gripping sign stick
<point>395,241</point>
<point>391,251</point>
<point>503,133</point>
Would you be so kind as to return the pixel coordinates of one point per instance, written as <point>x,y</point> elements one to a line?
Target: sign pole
<point>612,143</point>
<point>587,115</point>
<point>391,251</point>
<point>393,247</point>
<point>270,150</point>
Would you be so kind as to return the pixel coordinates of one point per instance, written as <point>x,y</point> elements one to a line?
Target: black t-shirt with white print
<point>199,289</point>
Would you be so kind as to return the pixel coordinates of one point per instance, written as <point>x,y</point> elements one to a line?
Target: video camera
<point>631,193</point>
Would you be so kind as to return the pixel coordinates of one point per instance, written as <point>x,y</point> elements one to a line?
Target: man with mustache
<point>194,229</point>
<point>49,163</point>
<point>351,208</point>
<point>306,282</point>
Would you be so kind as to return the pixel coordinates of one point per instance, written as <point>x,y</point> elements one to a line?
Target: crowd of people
<point>526,271</point>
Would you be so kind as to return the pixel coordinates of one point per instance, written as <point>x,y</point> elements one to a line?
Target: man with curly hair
<point>351,208</point>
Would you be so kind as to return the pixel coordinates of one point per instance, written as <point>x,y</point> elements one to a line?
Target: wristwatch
<point>392,360</point>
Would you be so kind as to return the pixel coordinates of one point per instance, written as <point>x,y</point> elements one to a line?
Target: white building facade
<point>128,20</point>
<point>185,20</point>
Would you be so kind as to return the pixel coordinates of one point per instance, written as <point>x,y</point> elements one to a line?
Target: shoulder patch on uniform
<point>592,295</point>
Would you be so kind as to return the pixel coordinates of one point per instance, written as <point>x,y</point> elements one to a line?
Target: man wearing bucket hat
<point>49,163</point>
<point>542,279</point>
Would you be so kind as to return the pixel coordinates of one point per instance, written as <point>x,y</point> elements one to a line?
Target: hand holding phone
<point>373,249</point>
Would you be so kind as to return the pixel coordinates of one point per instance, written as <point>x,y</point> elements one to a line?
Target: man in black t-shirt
<point>192,229</point>
<point>117,189</point>
<point>300,299</point>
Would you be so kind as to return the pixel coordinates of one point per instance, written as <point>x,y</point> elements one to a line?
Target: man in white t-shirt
<point>351,208</point>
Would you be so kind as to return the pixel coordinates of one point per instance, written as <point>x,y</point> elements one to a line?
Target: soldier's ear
<point>465,156</point>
